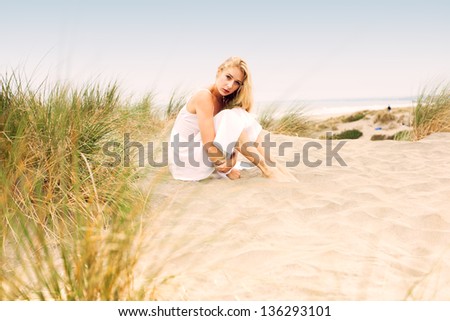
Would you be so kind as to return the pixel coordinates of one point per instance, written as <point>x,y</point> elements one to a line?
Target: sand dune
<point>376,229</point>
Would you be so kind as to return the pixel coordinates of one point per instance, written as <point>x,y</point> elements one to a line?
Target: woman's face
<point>229,80</point>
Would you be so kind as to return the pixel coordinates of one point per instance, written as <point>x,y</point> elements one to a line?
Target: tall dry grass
<point>291,121</point>
<point>69,224</point>
<point>432,112</point>
<point>176,101</point>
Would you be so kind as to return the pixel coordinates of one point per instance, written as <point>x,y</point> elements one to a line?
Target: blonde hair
<point>243,97</point>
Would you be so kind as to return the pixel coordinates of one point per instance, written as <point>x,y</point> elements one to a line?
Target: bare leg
<point>281,167</point>
<point>254,152</point>
<point>259,146</point>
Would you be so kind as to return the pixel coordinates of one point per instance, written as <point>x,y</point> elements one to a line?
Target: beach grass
<point>348,134</point>
<point>432,112</point>
<point>403,135</point>
<point>70,225</point>
<point>384,117</point>
<point>176,101</point>
<point>354,117</point>
<point>378,137</point>
<point>291,121</point>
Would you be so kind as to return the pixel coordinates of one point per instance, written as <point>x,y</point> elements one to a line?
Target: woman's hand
<point>229,164</point>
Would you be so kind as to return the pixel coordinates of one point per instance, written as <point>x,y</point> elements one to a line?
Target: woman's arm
<point>203,105</point>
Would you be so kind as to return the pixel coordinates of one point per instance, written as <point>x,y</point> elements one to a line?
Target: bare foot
<point>234,174</point>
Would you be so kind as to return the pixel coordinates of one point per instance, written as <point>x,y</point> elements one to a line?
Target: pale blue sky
<point>295,49</point>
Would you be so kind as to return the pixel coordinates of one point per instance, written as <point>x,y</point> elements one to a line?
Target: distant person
<point>215,124</point>
<point>389,108</point>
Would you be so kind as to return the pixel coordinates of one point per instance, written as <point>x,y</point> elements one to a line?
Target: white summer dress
<point>187,159</point>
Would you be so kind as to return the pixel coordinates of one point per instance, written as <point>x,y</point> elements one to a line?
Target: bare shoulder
<point>201,99</point>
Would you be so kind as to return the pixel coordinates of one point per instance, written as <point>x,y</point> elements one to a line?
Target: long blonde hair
<point>243,97</point>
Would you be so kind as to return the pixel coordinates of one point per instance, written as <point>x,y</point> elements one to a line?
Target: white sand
<point>377,229</point>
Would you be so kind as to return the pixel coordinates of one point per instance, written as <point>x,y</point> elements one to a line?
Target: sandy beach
<point>375,229</point>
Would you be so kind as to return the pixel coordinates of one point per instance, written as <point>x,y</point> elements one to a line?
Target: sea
<point>334,107</point>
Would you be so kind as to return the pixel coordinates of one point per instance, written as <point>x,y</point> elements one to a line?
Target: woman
<point>215,124</point>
